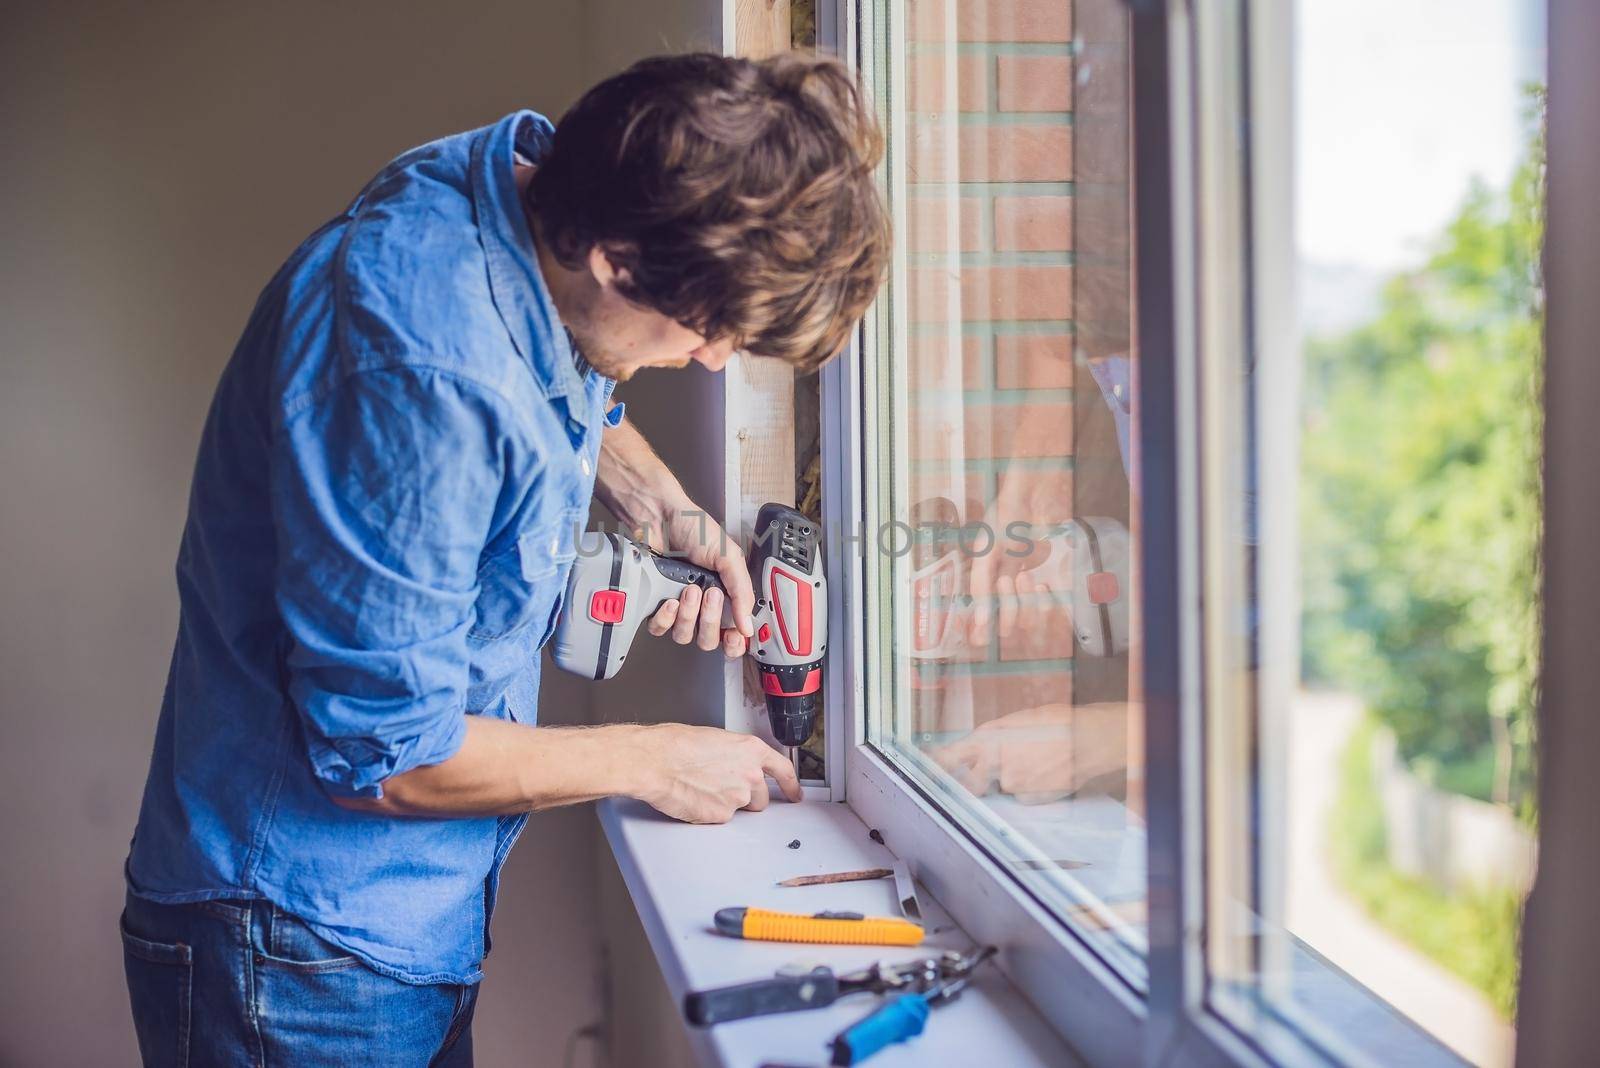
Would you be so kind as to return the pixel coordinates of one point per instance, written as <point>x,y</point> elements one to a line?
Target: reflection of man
<point>1007,581</point>
<point>382,523</point>
<point>1041,754</point>
<point>1045,753</point>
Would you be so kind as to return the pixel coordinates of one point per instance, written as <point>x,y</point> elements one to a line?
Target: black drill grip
<point>786,993</point>
<point>680,570</point>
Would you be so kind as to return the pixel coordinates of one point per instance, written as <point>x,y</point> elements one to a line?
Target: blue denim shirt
<point>390,483</point>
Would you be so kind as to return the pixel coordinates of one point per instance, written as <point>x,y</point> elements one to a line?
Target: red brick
<point>991,20</point>
<point>990,431</point>
<point>1033,224</point>
<point>996,695</point>
<point>1034,83</point>
<point>982,431</point>
<point>930,367</point>
<point>928,224</point>
<point>934,295</point>
<point>1014,20</point>
<point>1033,361</point>
<point>927,79</point>
<point>1020,153</point>
<point>934,429</point>
<point>967,490</point>
<point>931,426</point>
<point>1029,292</point>
<point>928,153</point>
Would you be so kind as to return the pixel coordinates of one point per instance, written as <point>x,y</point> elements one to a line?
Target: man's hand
<point>1004,583</point>
<point>705,775</point>
<point>636,486</point>
<point>695,617</point>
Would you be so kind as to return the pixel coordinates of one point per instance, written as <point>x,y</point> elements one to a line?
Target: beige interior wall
<point>159,161</point>
<point>681,413</point>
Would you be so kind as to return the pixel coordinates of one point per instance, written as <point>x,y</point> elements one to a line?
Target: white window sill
<point>680,875</point>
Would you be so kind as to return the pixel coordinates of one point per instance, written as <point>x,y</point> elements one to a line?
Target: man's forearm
<point>696,774</point>
<point>633,483</point>
<point>504,768</point>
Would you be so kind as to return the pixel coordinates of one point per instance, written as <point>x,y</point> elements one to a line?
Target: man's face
<point>618,336</point>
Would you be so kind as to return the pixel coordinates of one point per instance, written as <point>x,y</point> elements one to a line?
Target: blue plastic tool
<point>901,1018</point>
<point>904,1016</point>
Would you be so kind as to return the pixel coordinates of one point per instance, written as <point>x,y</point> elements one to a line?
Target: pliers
<point>902,1017</point>
<point>938,977</point>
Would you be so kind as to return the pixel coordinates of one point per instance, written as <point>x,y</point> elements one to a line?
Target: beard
<point>601,358</point>
<point>614,370</point>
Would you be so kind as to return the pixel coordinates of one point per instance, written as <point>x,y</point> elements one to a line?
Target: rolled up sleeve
<point>384,492</point>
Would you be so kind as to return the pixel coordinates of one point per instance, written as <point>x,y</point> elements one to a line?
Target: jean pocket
<point>160,987</point>
<point>291,944</point>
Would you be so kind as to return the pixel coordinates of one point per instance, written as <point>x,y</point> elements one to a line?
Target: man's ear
<point>605,270</point>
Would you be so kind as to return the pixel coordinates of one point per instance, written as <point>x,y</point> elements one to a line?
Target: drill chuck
<point>794,699</point>
<point>793,719</point>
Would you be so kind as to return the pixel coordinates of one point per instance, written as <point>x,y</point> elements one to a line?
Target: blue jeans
<point>242,983</point>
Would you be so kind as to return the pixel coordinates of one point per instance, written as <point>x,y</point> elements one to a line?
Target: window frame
<point>1561,959</point>
<point>1085,999</point>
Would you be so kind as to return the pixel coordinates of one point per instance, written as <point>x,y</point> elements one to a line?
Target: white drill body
<point>616,584</point>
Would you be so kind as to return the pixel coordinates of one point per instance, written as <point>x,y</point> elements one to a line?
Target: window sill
<point>679,875</point>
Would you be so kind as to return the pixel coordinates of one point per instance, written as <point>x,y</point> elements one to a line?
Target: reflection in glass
<point>1009,392</point>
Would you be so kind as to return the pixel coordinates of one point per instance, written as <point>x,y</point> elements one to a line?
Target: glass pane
<point>1004,448</point>
<point>1371,530</point>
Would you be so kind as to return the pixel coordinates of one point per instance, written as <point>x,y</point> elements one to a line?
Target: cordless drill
<point>617,584</point>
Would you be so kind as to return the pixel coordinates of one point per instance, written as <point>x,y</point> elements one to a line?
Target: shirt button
<point>585,463</point>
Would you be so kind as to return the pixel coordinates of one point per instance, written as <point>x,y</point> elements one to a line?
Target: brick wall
<point>1010,208</point>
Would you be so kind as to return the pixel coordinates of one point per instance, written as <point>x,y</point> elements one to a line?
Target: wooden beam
<point>760,27</point>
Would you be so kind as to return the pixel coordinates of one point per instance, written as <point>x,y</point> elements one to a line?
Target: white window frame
<point>1084,998</point>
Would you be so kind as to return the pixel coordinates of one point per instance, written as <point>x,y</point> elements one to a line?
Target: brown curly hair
<point>739,195</point>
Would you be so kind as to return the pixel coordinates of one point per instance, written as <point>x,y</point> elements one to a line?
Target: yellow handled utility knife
<point>833,928</point>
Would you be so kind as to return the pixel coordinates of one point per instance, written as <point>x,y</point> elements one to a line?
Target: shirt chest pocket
<point>523,583</point>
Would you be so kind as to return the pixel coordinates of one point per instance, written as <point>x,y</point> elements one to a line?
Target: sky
<point>1399,104</point>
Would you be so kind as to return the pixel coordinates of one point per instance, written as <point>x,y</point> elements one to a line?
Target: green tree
<point>1420,510</point>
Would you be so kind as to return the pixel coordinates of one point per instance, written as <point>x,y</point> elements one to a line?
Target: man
<point>383,516</point>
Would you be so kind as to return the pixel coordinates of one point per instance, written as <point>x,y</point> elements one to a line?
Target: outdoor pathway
<point>1323,917</point>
